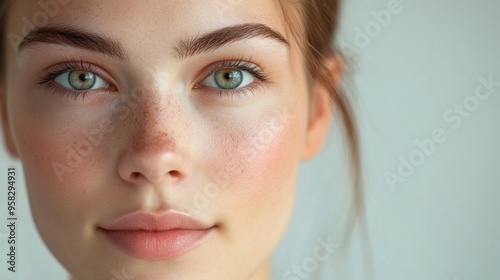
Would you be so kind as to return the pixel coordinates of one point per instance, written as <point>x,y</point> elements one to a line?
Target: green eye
<point>80,80</point>
<point>228,78</point>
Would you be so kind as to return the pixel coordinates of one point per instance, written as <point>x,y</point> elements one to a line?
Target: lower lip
<point>157,245</point>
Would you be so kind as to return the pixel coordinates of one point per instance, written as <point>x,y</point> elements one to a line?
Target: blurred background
<point>431,143</point>
<point>426,79</point>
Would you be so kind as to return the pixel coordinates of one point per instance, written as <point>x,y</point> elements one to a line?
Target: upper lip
<point>147,221</point>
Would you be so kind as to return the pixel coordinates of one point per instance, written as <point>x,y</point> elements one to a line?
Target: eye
<point>228,79</point>
<point>80,80</point>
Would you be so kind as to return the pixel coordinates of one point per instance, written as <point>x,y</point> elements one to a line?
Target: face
<point>123,107</point>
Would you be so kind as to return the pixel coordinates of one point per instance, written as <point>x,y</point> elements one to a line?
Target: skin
<point>170,143</point>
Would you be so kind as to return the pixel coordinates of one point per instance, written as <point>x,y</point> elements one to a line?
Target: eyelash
<point>70,65</point>
<point>238,63</point>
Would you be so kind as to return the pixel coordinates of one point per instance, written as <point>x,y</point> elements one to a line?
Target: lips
<point>150,236</point>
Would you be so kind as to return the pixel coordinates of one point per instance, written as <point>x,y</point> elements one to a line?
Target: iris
<point>228,78</point>
<point>82,80</point>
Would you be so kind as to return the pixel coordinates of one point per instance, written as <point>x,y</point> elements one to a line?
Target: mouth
<point>148,236</point>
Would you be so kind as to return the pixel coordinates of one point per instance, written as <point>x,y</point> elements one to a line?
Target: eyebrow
<point>216,39</point>
<point>73,37</point>
<point>183,49</point>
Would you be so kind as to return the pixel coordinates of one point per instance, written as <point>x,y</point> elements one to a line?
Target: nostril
<point>135,175</point>
<point>175,173</point>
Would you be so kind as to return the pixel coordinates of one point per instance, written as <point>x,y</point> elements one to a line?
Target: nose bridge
<point>157,143</point>
<point>156,118</point>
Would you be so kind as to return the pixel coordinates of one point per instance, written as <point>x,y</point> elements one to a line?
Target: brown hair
<point>319,24</point>
<point>313,23</point>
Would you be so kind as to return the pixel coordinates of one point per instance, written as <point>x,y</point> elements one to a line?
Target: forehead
<point>140,21</point>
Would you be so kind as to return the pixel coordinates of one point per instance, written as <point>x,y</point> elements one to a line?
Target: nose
<point>155,146</point>
<point>152,162</point>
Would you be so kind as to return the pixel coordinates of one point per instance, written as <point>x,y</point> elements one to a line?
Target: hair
<point>313,24</point>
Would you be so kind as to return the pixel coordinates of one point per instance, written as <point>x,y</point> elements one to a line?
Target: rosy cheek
<point>256,153</point>
<point>59,155</point>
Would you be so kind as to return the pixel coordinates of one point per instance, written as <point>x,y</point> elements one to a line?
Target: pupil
<point>83,77</point>
<point>228,75</point>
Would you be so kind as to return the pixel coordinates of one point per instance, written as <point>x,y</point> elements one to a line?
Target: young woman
<point>165,137</point>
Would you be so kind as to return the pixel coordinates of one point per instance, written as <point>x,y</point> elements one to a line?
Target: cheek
<point>258,152</point>
<point>259,156</point>
<point>63,169</point>
<point>263,150</point>
<point>58,154</point>
<point>62,165</point>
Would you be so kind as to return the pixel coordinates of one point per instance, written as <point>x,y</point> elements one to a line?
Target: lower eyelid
<point>254,88</point>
